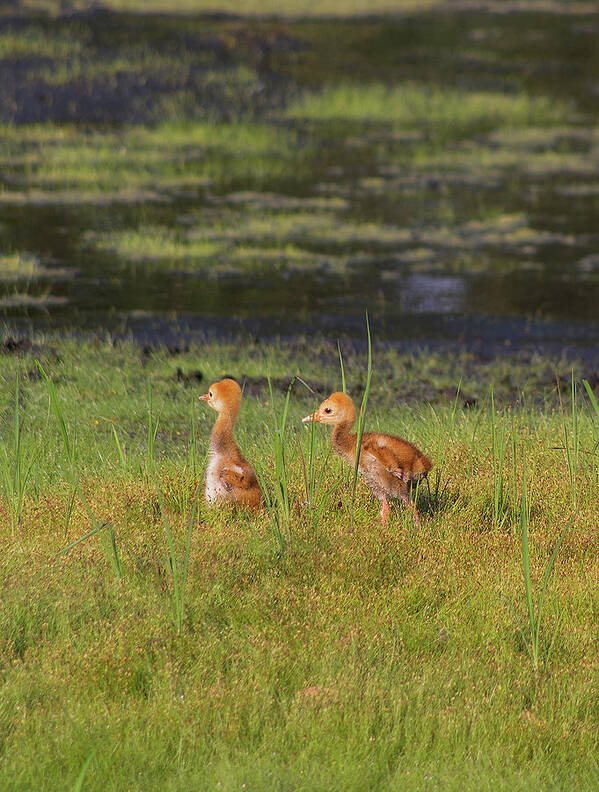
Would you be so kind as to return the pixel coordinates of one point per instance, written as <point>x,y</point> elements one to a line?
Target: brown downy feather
<point>229,476</point>
<point>389,465</point>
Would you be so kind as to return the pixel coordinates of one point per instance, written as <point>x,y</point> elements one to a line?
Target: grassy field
<point>159,168</point>
<point>297,654</point>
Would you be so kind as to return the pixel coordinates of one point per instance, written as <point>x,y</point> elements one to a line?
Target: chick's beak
<point>315,416</point>
<point>205,397</point>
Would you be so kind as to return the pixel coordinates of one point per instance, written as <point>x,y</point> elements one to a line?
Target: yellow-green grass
<point>422,106</point>
<point>210,251</point>
<point>166,157</point>
<point>18,266</point>
<point>290,8</point>
<point>373,659</point>
<point>34,41</point>
<point>242,240</point>
<point>303,8</point>
<point>52,163</point>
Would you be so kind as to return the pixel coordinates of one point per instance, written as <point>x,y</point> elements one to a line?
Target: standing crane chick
<point>389,465</point>
<point>229,476</point>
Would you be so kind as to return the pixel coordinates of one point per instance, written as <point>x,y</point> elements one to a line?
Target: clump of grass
<point>156,159</point>
<point>418,105</point>
<point>498,449</point>
<point>78,786</point>
<point>177,566</point>
<point>151,244</point>
<point>22,299</point>
<point>20,266</point>
<point>104,530</point>
<point>277,498</point>
<point>535,614</point>
<point>595,407</point>
<point>317,479</point>
<point>16,467</point>
<point>571,433</point>
<point>361,420</point>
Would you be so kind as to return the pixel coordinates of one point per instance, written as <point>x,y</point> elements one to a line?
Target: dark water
<point>508,291</point>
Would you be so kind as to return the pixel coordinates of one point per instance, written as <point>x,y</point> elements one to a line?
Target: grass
<point>150,641</point>
<point>293,8</point>
<point>369,659</point>
<point>19,266</point>
<point>16,468</point>
<point>430,110</point>
<point>175,155</point>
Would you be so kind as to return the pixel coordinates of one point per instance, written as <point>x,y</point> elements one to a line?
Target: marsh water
<point>493,242</point>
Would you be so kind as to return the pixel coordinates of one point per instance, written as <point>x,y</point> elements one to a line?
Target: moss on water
<point>441,111</point>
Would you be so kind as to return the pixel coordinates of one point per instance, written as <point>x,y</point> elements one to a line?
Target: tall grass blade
<point>57,412</point>
<point>527,578</point>
<point>16,469</point>
<point>81,777</point>
<point>595,407</point>
<point>151,432</point>
<point>535,617</point>
<point>343,383</point>
<point>119,449</point>
<point>592,398</point>
<point>96,529</point>
<point>361,423</point>
<point>108,539</point>
<point>498,451</point>
<point>546,578</point>
<point>455,404</point>
<point>193,440</point>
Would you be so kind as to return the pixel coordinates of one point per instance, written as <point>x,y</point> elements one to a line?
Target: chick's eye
<point>327,410</point>
<point>210,394</point>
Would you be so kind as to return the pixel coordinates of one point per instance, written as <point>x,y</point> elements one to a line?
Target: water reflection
<point>427,270</point>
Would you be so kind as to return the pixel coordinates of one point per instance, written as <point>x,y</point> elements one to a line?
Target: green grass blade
<point>526,572</point>
<point>546,577</point>
<point>343,383</point>
<point>96,529</point>
<point>455,404</point>
<point>189,537</point>
<point>361,423</point>
<point>592,398</point>
<point>57,412</point>
<point>81,777</point>
<point>119,448</point>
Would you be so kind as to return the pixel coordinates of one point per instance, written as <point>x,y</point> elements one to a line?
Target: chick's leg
<point>384,511</point>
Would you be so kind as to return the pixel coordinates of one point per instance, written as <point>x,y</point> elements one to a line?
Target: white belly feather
<point>214,486</point>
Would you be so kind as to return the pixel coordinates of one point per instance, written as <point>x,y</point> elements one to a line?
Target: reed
<point>177,564</point>
<point>78,786</point>
<point>124,462</point>
<point>276,497</point>
<point>151,433</point>
<point>315,476</point>
<point>595,406</point>
<point>535,610</point>
<point>361,423</point>
<point>571,433</point>
<point>454,406</point>
<point>342,367</point>
<point>498,446</point>
<point>104,530</point>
